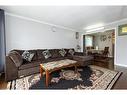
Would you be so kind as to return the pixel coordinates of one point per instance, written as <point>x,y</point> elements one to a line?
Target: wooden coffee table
<point>56,65</point>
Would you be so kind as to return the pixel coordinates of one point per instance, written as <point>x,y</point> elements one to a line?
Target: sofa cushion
<point>71,51</point>
<point>46,54</point>
<point>62,52</point>
<point>28,56</point>
<point>40,55</point>
<point>67,52</point>
<point>54,59</point>
<point>83,58</point>
<point>16,58</point>
<point>68,57</point>
<point>54,53</point>
<point>30,64</point>
<point>32,51</point>
<point>28,71</point>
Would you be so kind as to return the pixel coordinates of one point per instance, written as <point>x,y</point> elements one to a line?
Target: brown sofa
<point>13,71</point>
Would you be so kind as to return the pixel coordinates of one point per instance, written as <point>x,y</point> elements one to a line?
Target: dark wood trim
<point>2,41</point>
<point>84,43</point>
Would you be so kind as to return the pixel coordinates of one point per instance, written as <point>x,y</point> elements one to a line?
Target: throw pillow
<point>71,51</point>
<point>16,58</point>
<point>46,54</point>
<point>27,55</point>
<point>62,52</point>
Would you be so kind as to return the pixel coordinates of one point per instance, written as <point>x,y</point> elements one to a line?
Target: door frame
<point>113,46</point>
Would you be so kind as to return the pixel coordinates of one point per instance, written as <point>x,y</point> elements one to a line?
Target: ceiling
<point>73,17</point>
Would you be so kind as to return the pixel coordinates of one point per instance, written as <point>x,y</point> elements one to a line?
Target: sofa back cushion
<point>62,52</point>
<point>16,58</point>
<point>46,54</point>
<point>68,51</point>
<point>55,53</point>
<point>71,51</point>
<point>40,55</point>
<point>28,56</point>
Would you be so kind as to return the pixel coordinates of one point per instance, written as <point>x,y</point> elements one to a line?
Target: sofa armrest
<point>11,71</point>
<point>79,53</point>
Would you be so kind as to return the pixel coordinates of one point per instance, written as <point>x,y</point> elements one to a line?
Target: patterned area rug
<point>91,77</point>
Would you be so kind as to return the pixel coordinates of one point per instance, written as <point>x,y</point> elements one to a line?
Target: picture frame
<point>122,30</point>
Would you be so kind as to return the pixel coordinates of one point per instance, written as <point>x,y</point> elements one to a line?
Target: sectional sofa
<point>17,67</point>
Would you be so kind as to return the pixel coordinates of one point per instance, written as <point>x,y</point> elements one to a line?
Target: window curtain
<point>2,41</point>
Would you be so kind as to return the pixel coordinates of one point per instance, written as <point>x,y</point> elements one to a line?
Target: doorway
<point>98,41</point>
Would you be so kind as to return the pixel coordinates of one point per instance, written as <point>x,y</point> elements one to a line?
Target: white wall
<point>120,43</point>
<point>26,34</point>
<point>121,49</point>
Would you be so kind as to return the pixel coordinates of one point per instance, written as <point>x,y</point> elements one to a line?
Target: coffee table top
<point>57,64</point>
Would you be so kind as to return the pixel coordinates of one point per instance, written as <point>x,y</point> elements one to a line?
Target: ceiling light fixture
<point>94,26</point>
<point>95,29</point>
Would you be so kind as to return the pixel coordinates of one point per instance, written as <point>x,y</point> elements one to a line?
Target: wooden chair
<point>102,57</point>
<point>89,48</point>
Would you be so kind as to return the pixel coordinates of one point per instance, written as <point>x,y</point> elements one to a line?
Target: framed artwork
<point>122,30</point>
<point>103,37</point>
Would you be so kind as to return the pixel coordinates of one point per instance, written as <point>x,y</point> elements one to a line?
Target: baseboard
<point>121,65</point>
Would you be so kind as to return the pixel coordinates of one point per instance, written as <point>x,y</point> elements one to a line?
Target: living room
<point>45,48</point>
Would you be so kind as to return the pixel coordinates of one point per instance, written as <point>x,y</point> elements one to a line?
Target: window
<point>89,41</point>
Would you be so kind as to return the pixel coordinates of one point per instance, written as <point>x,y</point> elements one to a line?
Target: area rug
<point>89,77</point>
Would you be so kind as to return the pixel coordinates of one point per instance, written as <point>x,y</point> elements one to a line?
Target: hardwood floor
<point>120,84</point>
<point>122,81</point>
<point>3,84</point>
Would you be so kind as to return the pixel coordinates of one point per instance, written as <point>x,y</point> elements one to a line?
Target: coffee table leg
<point>47,78</point>
<point>41,71</point>
<point>76,69</point>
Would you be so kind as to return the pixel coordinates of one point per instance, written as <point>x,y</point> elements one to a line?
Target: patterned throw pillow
<point>71,51</point>
<point>46,54</point>
<point>27,55</point>
<point>62,52</point>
